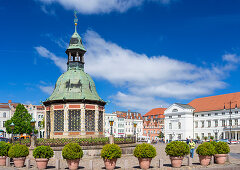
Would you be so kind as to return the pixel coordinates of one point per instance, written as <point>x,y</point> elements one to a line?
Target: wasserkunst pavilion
<point>74,109</point>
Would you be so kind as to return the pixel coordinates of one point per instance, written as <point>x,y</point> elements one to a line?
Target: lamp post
<point>33,125</point>
<point>12,127</point>
<point>111,124</point>
<point>135,125</point>
<point>230,121</point>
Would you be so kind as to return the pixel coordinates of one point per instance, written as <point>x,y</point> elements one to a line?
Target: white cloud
<point>231,58</point>
<point>58,61</point>
<point>100,6</point>
<point>47,89</point>
<point>147,81</point>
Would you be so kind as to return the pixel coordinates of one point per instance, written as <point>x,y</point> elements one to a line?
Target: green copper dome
<point>75,84</point>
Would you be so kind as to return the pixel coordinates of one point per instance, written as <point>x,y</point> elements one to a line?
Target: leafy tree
<point>198,138</point>
<point>161,135</point>
<point>21,120</point>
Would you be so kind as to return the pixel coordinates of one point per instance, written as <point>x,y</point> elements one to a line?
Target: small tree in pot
<point>18,153</point>
<point>72,152</point>
<point>205,152</point>
<point>222,149</point>
<point>4,148</point>
<point>176,151</point>
<point>110,153</point>
<point>42,155</point>
<point>144,152</point>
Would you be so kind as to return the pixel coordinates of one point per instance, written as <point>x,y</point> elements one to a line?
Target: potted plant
<point>18,153</point>
<point>222,149</point>
<point>72,152</point>
<point>205,138</point>
<point>110,153</point>
<point>176,151</point>
<point>4,148</point>
<point>144,152</point>
<point>42,155</point>
<point>205,152</point>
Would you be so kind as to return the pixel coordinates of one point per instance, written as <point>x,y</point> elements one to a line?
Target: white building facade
<point>204,117</point>
<point>123,125</point>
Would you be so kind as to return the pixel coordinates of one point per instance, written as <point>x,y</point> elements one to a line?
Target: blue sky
<point>141,53</point>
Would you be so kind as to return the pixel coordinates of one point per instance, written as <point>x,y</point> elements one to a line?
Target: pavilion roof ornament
<point>75,20</point>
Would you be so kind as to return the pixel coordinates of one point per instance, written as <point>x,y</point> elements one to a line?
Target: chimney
<point>9,101</point>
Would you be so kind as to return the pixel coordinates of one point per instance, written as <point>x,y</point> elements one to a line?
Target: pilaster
<point>65,120</point>
<point>83,132</point>
<point>96,120</point>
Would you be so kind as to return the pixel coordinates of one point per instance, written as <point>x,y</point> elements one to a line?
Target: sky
<point>141,54</point>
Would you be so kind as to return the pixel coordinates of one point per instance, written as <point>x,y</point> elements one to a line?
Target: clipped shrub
<point>222,148</point>
<point>206,149</point>
<point>144,150</point>
<point>4,148</point>
<point>214,143</point>
<point>72,151</point>
<point>111,151</point>
<point>18,151</point>
<point>43,152</point>
<point>177,149</point>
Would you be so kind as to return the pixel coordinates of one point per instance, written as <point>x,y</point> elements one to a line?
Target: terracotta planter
<point>144,163</point>
<point>42,163</point>
<point>3,160</point>
<point>204,160</point>
<point>220,158</point>
<point>19,162</point>
<point>110,164</point>
<point>73,164</point>
<point>176,161</point>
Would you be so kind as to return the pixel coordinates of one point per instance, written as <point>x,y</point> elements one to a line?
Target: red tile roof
<point>216,102</point>
<point>131,115</point>
<point>156,111</point>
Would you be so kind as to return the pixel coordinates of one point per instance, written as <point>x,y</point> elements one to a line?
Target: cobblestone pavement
<point>130,162</point>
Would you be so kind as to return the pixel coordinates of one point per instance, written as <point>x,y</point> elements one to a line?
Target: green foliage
<point>222,148</point>
<point>161,135</point>
<point>43,152</point>
<point>17,151</point>
<point>144,150</point>
<point>111,151</point>
<point>198,138</point>
<point>212,137</point>
<point>205,138</point>
<point>72,151</point>
<point>21,120</point>
<point>4,148</point>
<point>177,149</point>
<point>206,149</point>
<point>213,143</point>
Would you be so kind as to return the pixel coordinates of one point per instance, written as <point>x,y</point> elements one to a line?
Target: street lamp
<point>111,124</point>
<point>33,124</point>
<point>12,127</point>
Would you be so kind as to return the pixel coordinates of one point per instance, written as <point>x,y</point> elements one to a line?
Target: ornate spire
<point>75,20</point>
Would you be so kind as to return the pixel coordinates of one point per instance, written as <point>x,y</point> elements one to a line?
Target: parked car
<point>4,139</point>
<point>225,140</point>
<point>233,141</point>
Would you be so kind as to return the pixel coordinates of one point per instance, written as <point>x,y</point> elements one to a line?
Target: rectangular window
<point>223,113</point>
<point>216,123</point>
<point>74,120</point>
<point>223,123</point>
<point>236,112</point>
<point>202,124</point>
<point>236,121</point>
<point>202,115</point>
<point>196,115</point>
<point>144,131</point>
<point>4,123</point>
<point>230,122</point>
<point>179,115</point>
<point>58,120</point>
<point>202,135</point>
<point>209,114</point>
<point>170,117</point>
<point>209,135</point>
<point>89,120</point>
<point>170,125</point>
<point>100,121</point>
<point>216,114</point>
<point>196,124</point>
<point>209,123</point>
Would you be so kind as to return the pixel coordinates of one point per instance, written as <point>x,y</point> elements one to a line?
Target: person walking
<point>192,147</point>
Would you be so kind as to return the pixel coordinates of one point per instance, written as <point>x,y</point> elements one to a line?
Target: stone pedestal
<point>111,139</point>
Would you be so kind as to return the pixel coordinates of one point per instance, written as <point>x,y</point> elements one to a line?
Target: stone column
<point>96,120</point>
<point>52,121</point>
<point>65,120</point>
<point>235,135</point>
<point>83,132</point>
<point>223,135</point>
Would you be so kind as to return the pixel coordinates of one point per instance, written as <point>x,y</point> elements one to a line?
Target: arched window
<point>4,114</point>
<point>179,125</point>
<point>175,110</point>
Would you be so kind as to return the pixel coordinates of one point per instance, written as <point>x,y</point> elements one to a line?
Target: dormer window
<point>73,41</point>
<point>175,110</point>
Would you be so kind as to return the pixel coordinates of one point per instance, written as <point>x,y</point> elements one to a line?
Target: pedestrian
<point>187,140</point>
<point>192,147</point>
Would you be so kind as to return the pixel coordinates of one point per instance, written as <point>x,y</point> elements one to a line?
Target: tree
<point>161,135</point>
<point>21,120</point>
<point>198,138</point>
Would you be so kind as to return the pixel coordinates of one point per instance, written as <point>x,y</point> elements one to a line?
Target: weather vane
<point>75,19</point>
